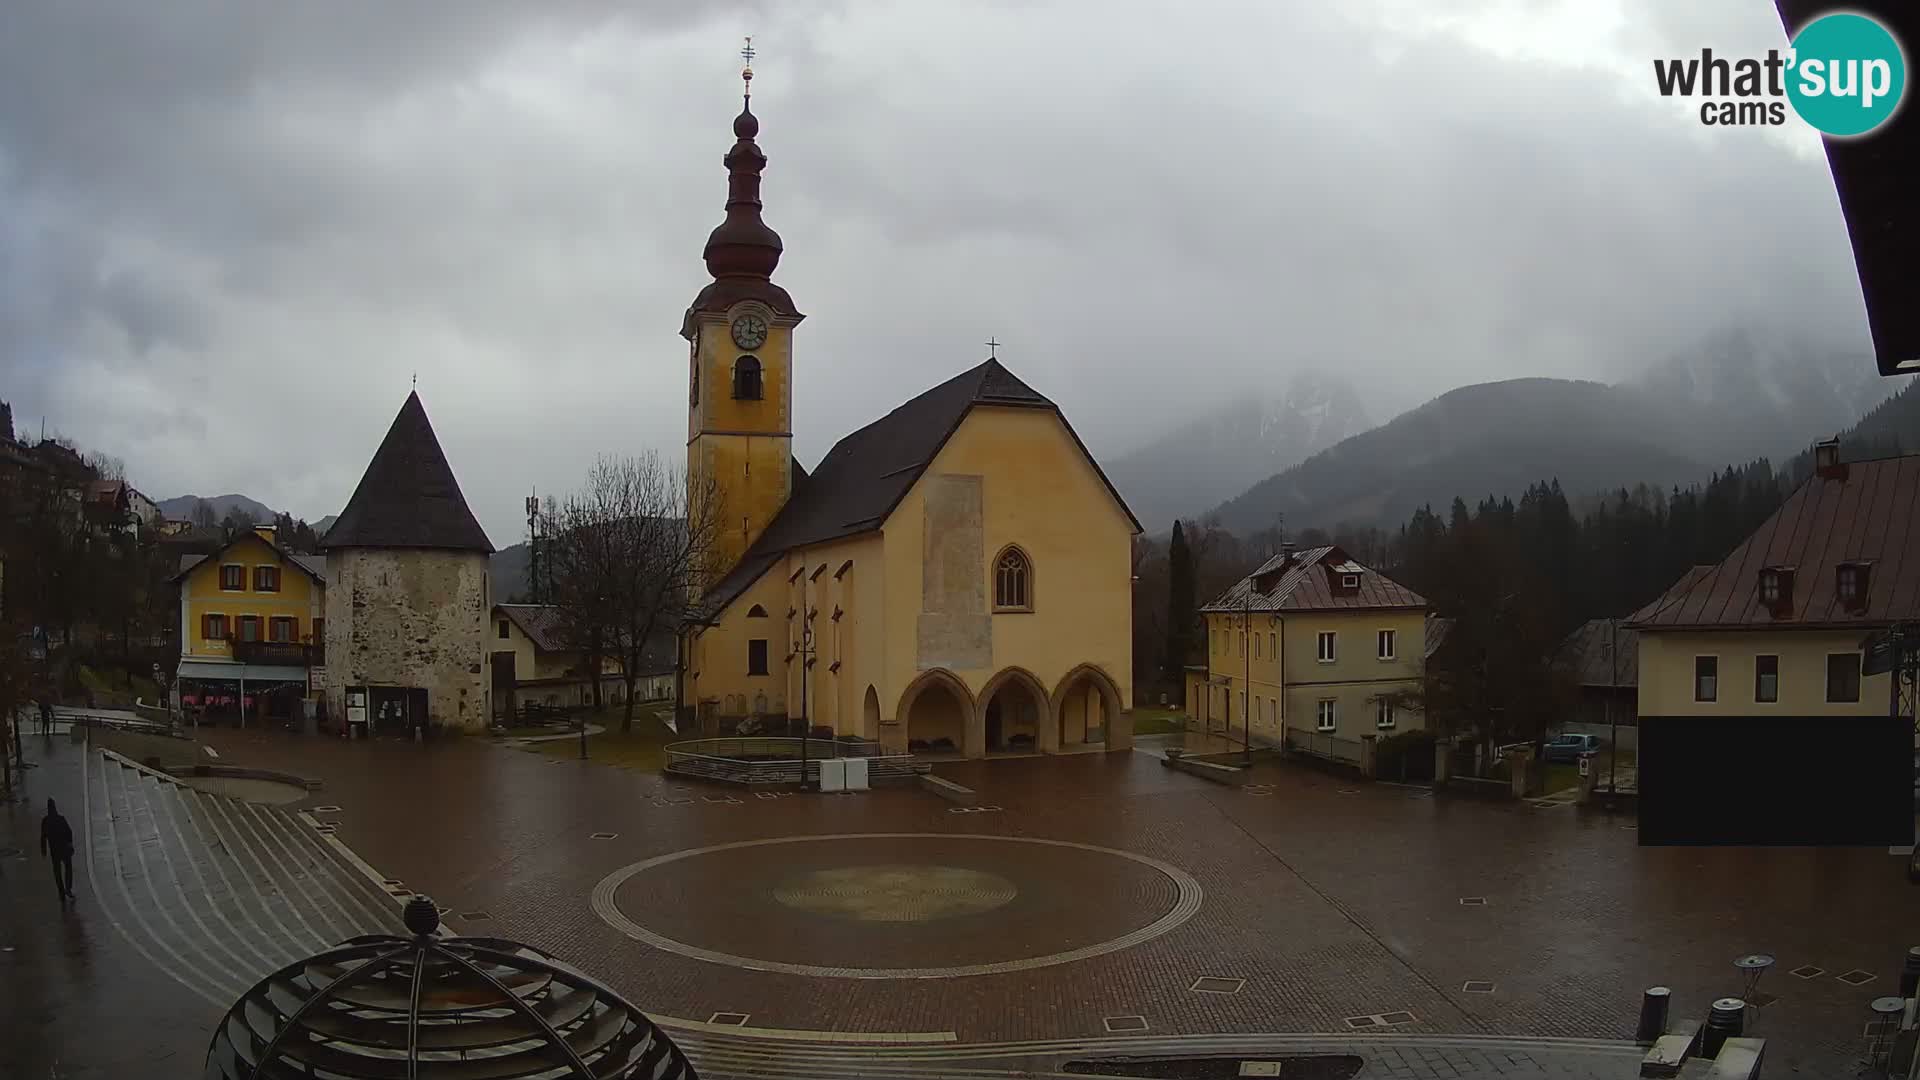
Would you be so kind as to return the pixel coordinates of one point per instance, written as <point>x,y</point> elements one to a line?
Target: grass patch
<point>1158,721</point>
<point>642,749</point>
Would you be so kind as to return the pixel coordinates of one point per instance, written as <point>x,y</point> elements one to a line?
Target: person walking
<point>46,717</point>
<point>56,842</point>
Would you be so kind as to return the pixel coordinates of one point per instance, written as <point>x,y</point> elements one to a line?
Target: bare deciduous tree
<point>624,553</point>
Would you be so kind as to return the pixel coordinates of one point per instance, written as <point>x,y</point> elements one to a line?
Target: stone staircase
<point>216,892</point>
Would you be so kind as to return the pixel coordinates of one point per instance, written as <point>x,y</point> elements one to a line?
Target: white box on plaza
<point>856,773</point>
<point>833,774</point>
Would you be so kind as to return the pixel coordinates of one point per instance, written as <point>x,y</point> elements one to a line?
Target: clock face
<point>749,331</point>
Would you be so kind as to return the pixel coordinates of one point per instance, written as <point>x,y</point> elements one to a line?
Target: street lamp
<point>1246,657</point>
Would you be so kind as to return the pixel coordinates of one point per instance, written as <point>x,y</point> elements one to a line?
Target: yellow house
<point>252,625</point>
<point>1312,650</point>
<point>534,663</point>
<point>1757,670</point>
<point>954,577</point>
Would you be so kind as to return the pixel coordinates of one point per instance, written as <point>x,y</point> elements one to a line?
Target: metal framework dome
<point>393,1008</point>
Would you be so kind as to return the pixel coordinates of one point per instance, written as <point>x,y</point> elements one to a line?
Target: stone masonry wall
<point>409,617</point>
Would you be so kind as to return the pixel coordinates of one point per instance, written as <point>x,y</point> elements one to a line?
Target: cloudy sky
<point>232,233</point>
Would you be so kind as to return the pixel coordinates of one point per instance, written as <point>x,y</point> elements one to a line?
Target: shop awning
<point>213,669</point>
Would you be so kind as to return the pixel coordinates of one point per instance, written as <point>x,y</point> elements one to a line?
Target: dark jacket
<point>57,835</point>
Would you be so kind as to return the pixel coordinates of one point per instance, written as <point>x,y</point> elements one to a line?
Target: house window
<point>233,578</point>
<point>1851,585</point>
<point>1770,587</point>
<point>1326,714</point>
<point>1349,581</point>
<point>1843,677</point>
<point>1273,713</point>
<point>1256,646</point>
<point>757,656</point>
<point>756,612</point>
<point>1243,643</point>
<point>1383,717</point>
<point>1385,644</point>
<point>1327,646</point>
<point>746,379</point>
<point>281,628</point>
<point>1706,678</point>
<point>1012,581</point>
<point>213,627</point>
<point>249,628</point>
<point>1273,646</point>
<point>503,630</point>
<point>1766,678</point>
<point>266,579</point>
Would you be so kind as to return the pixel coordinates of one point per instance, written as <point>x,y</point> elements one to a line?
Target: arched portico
<point>939,714</point>
<point>1014,712</point>
<point>1087,710</point>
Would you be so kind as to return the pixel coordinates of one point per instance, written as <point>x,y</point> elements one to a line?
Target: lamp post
<point>1613,724</point>
<point>1246,657</point>
<point>804,650</point>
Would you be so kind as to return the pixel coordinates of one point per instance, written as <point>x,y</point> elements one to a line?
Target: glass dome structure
<point>400,1008</point>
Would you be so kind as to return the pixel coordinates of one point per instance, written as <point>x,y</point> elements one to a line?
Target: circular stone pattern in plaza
<point>897,905</point>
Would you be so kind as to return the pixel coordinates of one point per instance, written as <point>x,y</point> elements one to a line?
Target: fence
<point>1323,744</point>
<point>761,759</point>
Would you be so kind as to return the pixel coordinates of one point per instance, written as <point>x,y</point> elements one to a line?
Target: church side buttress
<point>740,366</point>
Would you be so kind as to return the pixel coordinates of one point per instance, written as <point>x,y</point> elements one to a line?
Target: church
<point>954,578</point>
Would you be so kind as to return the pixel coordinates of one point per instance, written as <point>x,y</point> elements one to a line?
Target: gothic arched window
<point>746,379</point>
<point>756,612</point>
<point>1012,581</point>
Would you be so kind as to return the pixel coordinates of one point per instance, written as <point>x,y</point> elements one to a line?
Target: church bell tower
<point>739,332</point>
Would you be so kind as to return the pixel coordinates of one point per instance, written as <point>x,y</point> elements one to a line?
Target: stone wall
<point>410,617</point>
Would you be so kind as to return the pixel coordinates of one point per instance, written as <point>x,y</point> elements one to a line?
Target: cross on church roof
<point>993,349</point>
<point>746,73</point>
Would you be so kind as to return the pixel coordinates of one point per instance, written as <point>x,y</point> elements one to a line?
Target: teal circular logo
<point>1847,74</point>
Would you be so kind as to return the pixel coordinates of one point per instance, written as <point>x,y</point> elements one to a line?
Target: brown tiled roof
<point>314,565</point>
<point>1584,653</point>
<point>408,497</point>
<point>866,474</point>
<point>1872,515</point>
<point>1305,583</point>
<point>544,624</point>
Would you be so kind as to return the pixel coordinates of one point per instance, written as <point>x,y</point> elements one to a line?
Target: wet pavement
<point>1333,914</point>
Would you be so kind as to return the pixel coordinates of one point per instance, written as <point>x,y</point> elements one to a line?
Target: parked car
<point>1568,748</point>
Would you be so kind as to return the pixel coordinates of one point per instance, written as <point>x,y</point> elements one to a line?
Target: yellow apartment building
<point>252,627</point>
<point>1311,650</point>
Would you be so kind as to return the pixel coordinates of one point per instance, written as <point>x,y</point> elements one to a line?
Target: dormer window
<point>746,379</point>
<point>1776,589</point>
<point>1349,581</point>
<point>1850,585</point>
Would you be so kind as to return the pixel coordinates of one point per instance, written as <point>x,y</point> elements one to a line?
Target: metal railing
<point>1323,744</point>
<point>72,718</point>
<point>760,759</point>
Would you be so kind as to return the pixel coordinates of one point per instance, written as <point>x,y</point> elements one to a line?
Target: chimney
<point>1286,552</point>
<point>1826,460</point>
<point>264,532</point>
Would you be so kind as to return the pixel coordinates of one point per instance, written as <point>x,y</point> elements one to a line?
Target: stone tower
<point>407,590</point>
<point>740,365</point>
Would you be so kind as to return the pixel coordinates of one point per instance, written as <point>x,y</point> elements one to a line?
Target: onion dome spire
<point>743,245</point>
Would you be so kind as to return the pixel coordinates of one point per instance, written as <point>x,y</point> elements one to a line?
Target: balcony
<point>279,653</point>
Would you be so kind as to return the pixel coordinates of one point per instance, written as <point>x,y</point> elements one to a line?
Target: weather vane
<point>746,73</point>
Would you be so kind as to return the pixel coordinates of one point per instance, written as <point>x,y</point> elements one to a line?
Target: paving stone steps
<point>216,891</point>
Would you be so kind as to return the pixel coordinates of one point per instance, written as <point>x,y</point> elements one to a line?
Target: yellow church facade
<point>953,578</point>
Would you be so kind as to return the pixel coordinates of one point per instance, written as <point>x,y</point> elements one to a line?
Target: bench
<point>1207,770</point>
<point>948,790</point>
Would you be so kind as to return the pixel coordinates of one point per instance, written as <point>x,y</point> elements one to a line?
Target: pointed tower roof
<point>408,497</point>
<point>743,250</point>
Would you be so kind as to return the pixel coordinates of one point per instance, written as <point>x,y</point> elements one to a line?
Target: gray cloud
<point>231,234</point>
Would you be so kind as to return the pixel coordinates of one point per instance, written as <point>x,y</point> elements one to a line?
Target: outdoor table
<point>1886,1024</point>
<point>1751,967</point>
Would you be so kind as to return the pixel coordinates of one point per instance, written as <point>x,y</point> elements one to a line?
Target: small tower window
<point>756,612</point>
<point>1012,581</point>
<point>746,379</point>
